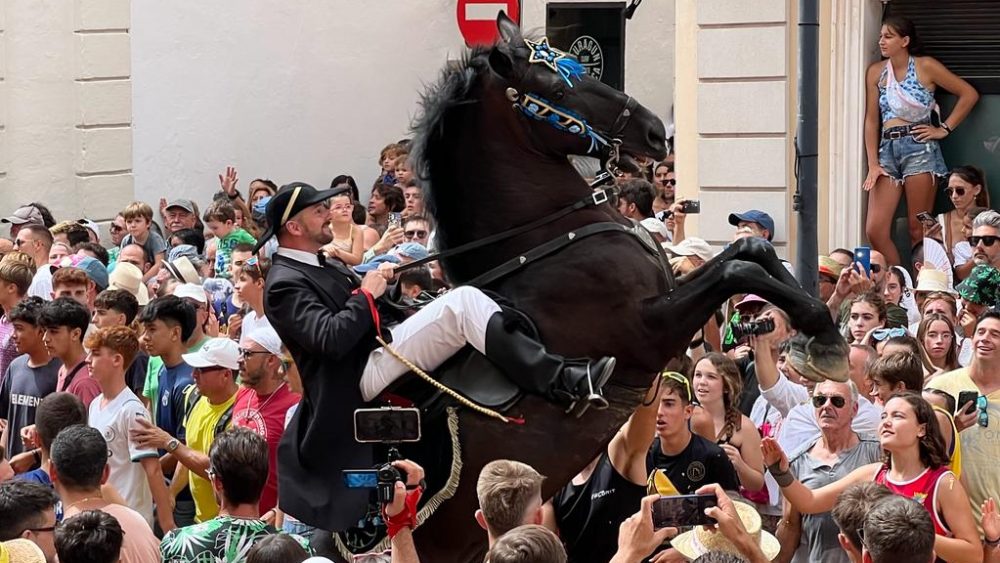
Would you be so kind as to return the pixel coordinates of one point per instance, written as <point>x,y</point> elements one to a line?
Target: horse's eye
<point>558,95</point>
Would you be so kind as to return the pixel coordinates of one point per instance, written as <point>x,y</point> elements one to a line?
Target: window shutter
<point>963,34</point>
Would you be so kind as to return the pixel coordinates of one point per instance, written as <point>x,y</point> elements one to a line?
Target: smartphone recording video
<point>682,510</point>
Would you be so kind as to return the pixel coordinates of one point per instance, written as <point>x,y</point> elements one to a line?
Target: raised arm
<point>628,448</point>
<point>802,498</point>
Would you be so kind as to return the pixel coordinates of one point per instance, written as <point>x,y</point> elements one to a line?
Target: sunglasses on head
<point>887,333</point>
<point>835,400</point>
<point>680,379</point>
<point>414,234</point>
<point>987,240</point>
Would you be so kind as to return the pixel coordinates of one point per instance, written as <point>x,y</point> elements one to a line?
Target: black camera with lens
<point>387,426</point>
<point>752,328</point>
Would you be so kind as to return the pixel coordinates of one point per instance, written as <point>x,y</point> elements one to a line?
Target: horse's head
<point>568,111</point>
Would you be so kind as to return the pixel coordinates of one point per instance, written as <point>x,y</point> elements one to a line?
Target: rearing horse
<point>491,149</point>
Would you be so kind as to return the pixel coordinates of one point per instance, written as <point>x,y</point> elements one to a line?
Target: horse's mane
<point>451,90</point>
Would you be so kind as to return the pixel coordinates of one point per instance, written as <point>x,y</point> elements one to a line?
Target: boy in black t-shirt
<point>679,461</point>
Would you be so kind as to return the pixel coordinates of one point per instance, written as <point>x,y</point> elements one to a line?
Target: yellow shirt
<point>980,446</point>
<point>200,426</point>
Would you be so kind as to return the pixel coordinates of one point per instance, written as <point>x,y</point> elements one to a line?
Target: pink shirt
<point>265,415</point>
<point>139,545</point>
<point>82,384</point>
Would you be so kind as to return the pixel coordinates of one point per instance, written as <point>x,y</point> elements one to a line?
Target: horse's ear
<point>509,31</point>
<point>501,62</point>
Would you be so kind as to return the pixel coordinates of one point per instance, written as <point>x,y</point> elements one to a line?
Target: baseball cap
<point>222,352</point>
<point>290,199</point>
<point>374,263</point>
<point>655,226</point>
<point>93,267</point>
<point>25,214</point>
<point>691,246</point>
<point>754,216</point>
<point>191,291</point>
<point>412,250</point>
<point>266,336</point>
<point>127,277</point>
<point>184,204</point>
<point>92,226</point>
<point>751,299</point>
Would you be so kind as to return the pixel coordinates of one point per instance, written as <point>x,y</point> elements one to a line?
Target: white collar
<point>298,256</point>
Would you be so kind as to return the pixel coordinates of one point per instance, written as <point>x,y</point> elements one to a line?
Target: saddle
<point>468,372</point>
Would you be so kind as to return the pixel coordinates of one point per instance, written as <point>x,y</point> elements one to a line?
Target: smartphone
<point>682,510</point>
<point>360,478</point>
<point>926,218</point>
<point>387,425</point>
<point>690,206</point>
<point>965,397</point>
<point>863,256</point>
<point>395,219</point>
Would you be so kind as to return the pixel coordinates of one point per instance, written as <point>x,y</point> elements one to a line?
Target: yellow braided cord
<point>440,386</point>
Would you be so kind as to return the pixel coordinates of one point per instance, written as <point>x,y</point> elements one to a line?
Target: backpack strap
<point>191,396</point>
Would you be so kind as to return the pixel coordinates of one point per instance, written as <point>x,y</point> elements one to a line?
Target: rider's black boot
<point>575,384</point>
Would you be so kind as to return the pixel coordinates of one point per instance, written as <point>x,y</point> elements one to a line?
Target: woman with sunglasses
<point>665,182</point>
<point>348,242</point>
<point>916,467</point>
<point>901,139</point>
<point>717,384</point>
<point>966,190</point>
<point>938,345</point>
<point>868,312</point>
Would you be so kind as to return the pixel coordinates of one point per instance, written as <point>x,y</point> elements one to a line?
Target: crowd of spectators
<point>143,394</point>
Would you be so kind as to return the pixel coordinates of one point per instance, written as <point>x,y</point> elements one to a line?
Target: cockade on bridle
<point>563,119</point>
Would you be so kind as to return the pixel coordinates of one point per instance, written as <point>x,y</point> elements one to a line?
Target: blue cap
<point>754,216</point>
<point>412,250</point>
<point>369,266</point>
<point>93,267</point>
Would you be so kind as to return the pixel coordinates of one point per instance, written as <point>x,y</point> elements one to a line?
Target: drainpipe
<point>806,147</point>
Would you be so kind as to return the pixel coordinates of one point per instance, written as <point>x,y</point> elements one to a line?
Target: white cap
<point>222,352</point>
<point>191,291</point>
<point>691,246</point>
<point>94,228</point>
<point>265,335</point>
<point>655,226</point>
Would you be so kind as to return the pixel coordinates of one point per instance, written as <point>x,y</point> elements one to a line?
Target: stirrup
<point>593,399</point>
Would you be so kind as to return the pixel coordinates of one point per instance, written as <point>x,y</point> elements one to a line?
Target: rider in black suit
<point>323,315</point>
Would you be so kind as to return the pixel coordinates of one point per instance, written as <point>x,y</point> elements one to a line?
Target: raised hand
<point>228,180</point>
<point>991,520</point>
<point>773,453</point>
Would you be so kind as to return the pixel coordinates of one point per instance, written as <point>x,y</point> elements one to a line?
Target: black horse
<point>491,149</point>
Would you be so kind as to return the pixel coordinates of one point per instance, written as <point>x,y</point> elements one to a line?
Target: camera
<point>752,328</point>
<point>389,425</point>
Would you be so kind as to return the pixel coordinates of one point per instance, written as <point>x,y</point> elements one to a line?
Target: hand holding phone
<point>690,206</point>
<point>965,397</point>
<point>395,219</point>
<point>863,258</point>
<point>926,218</point>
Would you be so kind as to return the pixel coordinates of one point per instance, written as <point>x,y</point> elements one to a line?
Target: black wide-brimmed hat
<point>289,200</point>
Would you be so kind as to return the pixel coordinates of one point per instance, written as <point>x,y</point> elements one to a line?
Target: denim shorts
<point>907,156</point>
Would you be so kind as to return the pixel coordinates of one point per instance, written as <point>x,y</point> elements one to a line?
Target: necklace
<point>81,501</point>
<point>260,407</point>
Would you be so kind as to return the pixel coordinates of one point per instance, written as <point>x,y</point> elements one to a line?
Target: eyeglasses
<point>245,354</point>
<point>984,416</point>
<point>51,528</point>
<point>414,234</point>
<point>116,228</point>
<point>679,378</point>
<point>987,240</point>
<point>886,333</point>
<point>836,400</point>
<point>876,268</point>
<point>957,191</point>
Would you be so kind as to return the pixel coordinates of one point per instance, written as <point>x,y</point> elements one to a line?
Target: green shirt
<point>224,250</point>
<point>223,539</point>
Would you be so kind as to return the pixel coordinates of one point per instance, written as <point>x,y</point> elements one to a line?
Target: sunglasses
<point>984,416</point>
<point>835,400</point>
<point>679,378</point>
<point>246,354</point>
<point>414,234</point>
<point>116,228</point>
<point>669,182</point>
<point>957,191</point>
<point>886,333</point>
<point>987,240</point>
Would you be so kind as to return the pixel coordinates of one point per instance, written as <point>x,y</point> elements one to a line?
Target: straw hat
<point>20,551</point>
<point>829,267</point>
<point>183,270</point>
<point>700,541</point>
<point>931,280</point>
<point>128,278</point>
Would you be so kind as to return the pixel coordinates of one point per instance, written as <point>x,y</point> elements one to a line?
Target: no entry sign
<point>477,19</point>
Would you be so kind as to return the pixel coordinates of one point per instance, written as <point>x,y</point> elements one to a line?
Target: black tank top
<point>589,515</point>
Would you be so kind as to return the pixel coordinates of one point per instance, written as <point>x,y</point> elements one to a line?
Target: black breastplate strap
<point>562,241</point>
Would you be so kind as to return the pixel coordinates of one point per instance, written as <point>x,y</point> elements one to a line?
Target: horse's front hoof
<point>818,361</point>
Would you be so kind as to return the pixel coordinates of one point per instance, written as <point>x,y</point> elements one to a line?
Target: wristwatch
<point>945,126</point>
<point>173,444</point>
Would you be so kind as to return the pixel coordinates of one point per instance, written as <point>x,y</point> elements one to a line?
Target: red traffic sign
<point>477,19</point>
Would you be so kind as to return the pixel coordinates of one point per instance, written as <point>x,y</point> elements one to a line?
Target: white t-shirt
<point>252,322</point>
<point>41,284</point>
<point>127,476</point>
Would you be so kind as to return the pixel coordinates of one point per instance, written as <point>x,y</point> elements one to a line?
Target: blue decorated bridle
<point>563,119</point>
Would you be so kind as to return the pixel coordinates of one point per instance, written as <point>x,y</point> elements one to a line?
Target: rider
<point>329,322</point>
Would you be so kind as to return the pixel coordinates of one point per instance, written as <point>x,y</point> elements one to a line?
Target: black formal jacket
<point>330,334</point>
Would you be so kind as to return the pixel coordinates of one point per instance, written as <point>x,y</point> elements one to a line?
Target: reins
<point>592,200</point>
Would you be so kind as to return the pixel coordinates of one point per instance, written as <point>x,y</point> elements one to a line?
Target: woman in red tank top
<point>916,466</point>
